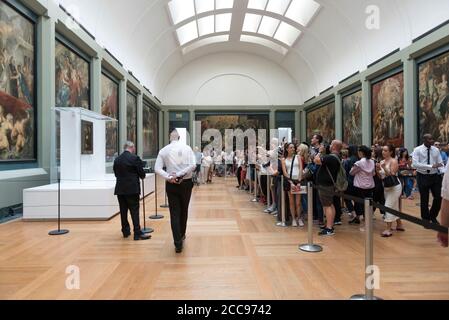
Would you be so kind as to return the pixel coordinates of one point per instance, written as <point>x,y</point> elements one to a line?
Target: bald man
<point>327,175</point>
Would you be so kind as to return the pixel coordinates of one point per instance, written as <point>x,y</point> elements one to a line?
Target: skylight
<point>187,33</point>
<point>252,22</point>
<point>268,26</point>
<point>223,4</point>
<point>181,10</point>
<point>204,6</point>
<point>302,11</point>
<point>287,34</point>
<point>206,25</point>
<point>257,4</point>
<point>223,22</point>
<point>204,42</point>
<point>278,6</point>
<point>277,24</point>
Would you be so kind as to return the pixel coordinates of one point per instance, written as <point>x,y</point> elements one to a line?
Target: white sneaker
<point>300,223</point>
<point>274,213</point>
<point>294,223</point>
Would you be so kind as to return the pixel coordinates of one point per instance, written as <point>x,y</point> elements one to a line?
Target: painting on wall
<point>131,118</point>
<point>388,111</point>
<point>109,107</point>
<point>234,122</point>
<point>72,78</point>
<point>434,98</point>
<point>150,132</point>
<point>87,137</point>
<point>352,118</point>
<point>17,76</point>
<point>322,121</point>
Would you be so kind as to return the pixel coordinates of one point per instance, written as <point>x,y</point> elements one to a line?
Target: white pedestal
<point>90,200</point>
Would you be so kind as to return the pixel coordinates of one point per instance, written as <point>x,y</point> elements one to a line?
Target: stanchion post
<point>268,190</point>
<point>156,216</point>
<point>310,247</point>
<point>255,186</point>
<point>145,229</point>
<point>59,232</point>
<point>282,223</point>
<point>369,254</point>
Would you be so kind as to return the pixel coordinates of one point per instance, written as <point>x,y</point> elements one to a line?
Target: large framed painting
<point>322,121</point>
<point>222,122</point>
<point>150,132</point>
<point>110,108</point>
<point>87,137</point>
<point>72,77</point>
<point>131,117</point>
<point>17,86</point>
<point>352,118</point>
<point>387,103</point>
<point>434,97</point>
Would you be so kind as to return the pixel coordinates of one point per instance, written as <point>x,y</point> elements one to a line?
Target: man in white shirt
<point>442,237</point>
<point>427,161</point>
<point>180,162</point>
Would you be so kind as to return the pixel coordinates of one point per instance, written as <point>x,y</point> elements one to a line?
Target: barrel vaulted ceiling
<point>316,42</point>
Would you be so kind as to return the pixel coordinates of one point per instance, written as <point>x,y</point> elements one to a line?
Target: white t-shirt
<point>445,189</point>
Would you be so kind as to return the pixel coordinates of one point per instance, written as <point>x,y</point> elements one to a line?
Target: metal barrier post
<point>268,190</point>
<point>255,186</point>
<point>369,254</point>
<point>310,247</point>
<point>282,224</point>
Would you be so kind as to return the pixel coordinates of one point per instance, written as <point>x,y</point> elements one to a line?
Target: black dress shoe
<point>435,221</point>
<point>126,234</point>
<point>178,249</point>
<point>142,237</point>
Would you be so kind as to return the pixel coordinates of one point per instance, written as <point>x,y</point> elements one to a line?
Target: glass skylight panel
<point>187,33</point>
<point>264,42</point>
<point>206,25</point>
<point>278,6</point>
<point>268,26</point>
<point>204,6</point>
<point>204,42</point>
<point>223,22</point>
<point>224,4</point>
<point>287,34</point>
<point>257,4</point>
<point>251,23</point>
<point>181,10</point>
<point>302,11</point>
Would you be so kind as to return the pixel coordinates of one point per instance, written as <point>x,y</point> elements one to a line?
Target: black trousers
<point>239,171</point>
<point>178,200</point>
<point>362,193</point>
<point>131,203</point>
<point>430,183</point>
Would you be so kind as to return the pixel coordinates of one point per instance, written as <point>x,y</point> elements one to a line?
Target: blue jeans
<point>408,185</point>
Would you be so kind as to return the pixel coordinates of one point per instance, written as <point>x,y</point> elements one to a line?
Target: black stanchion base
<point>165,206</point>
<point>156,217</point>
<point>147,230</point>
<point>58,232</point>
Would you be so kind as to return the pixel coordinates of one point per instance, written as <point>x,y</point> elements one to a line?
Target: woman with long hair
<point>406,173</point>
<point>388,170</point>
<point>292,170</point>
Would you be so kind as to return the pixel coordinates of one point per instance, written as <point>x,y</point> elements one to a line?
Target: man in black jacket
<point>128,169</point>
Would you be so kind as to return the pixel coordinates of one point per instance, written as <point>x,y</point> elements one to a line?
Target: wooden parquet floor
<point>233,251</point>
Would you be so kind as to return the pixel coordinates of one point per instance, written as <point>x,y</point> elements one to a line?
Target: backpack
<point>341,184</point>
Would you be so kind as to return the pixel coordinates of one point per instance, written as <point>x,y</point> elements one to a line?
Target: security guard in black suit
<point>128,169</point>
